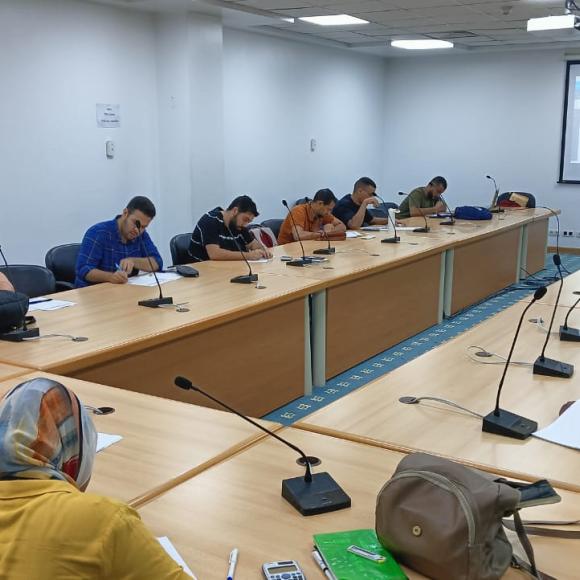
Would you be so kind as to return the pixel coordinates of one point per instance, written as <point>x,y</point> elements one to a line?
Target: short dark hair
<point>142,204</point>
<point>245,204</point>
<point>439,181</point>
<point>364,181</point>
<point>325,196</point>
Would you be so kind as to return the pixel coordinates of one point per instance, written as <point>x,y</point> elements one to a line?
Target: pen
<point>39,300</point>
<point>322,565</point>
<point>117,266</point>
<point>233,561</point>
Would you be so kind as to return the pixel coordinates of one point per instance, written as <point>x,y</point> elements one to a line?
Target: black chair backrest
<point>274,225</point>
<point>301,201</point>
<point>30,280</point>
<point>382,210</point>
<point>61,261</point>
<point>179,248</point>
<point>506,195</point>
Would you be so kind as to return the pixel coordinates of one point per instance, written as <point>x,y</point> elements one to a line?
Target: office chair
<point>506,196</point>
<point>30,279</point>
<point>274,225</point>
<point>179,247</point>
<point>61,261</point>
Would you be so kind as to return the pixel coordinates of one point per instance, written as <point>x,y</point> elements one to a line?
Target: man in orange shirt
<point>314,220</point>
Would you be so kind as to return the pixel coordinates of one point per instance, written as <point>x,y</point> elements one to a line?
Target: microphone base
<point>570,334</point>
<point>325,251</point>
<point>299,262</point>
<point>422,230</point>
<point>447,223</point>
<point>20,334</point>
<point>497,210</point>
<point>320,496</point>
<point>155,302</point>
<point>509,425</point>
<point>246,279</point>
<point>553,368</point>
<point>393,240</point>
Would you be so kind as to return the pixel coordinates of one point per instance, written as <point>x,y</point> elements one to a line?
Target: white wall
<point>57,60</point>
<point>471,115</point>
<point>278,95</point>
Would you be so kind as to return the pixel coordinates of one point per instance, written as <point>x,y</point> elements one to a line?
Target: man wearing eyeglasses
<point>112,250</point>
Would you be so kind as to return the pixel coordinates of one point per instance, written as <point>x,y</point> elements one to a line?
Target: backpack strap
<point>530,528</point>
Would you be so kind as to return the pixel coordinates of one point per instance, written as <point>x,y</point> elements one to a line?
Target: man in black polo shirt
<point>222,234</point>
<point>352,210</point>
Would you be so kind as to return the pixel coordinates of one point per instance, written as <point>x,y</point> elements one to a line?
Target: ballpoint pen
<point>322,565</point>
<point>233,561</point>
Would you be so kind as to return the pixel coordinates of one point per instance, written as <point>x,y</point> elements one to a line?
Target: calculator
<point>284,570</point>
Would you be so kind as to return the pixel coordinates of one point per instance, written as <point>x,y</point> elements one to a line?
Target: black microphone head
<point>285,203</point>
<point>488,176</point>
<point>557,259</point>
<point>183,383</point>
<point>138,223</point>
<point>402,193</point>
<point>540,293</point>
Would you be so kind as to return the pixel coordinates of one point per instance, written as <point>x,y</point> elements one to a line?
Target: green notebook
<point>347,566</point>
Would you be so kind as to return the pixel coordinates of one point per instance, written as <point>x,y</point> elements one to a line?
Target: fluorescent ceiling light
<point>334,20</point>
<point>552,23</point>
<point>423,44</point>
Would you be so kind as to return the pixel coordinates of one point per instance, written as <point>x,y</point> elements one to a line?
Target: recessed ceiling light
<point>333,20</point>
<point>423,44</point>
<point>552,23</point>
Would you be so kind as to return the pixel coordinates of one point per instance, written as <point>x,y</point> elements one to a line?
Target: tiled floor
<point>415,346</point>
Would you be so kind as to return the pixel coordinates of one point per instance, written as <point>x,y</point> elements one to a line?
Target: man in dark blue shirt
<point>221,234</point>
<point>111,250</point>
<point>352,210</point>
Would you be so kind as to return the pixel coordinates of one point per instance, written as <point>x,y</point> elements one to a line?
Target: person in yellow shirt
<point>49,528</point>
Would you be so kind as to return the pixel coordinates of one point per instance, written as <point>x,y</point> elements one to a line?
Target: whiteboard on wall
<point>570,150</point>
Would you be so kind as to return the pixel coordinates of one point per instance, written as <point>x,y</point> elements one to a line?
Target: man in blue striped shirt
<point>112,250</point>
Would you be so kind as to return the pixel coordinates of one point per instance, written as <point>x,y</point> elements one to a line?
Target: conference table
<point>237,504</point>
<point>569,296</point>
<point>9,371</point>
<point>262,347</point>
<point>163,442</point>
<point>374,415</point>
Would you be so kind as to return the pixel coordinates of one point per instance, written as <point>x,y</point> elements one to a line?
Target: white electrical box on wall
<point>313,145</point>
<point>110,149</point>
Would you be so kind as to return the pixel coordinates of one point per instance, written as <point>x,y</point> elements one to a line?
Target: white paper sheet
<point>261,261</point>
<point>352,234</point>
<point>565,430</point>
<point>375,228</point>
<point>170,549</point>
<point>105,440</point>
<point>407,228</point>
<point>49,304</point>
<point>149,279</point>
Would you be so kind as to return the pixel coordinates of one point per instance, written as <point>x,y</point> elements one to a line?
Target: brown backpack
<point>444,520</point>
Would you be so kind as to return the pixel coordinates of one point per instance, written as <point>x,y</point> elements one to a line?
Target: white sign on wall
<point>108,116</point>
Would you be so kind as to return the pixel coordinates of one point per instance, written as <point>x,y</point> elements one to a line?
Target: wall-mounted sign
<point>108,116</point>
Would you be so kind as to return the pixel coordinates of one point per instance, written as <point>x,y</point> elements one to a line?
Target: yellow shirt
<point>50,530</point>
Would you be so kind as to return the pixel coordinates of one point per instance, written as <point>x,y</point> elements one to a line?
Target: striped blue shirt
<point>102,248</point>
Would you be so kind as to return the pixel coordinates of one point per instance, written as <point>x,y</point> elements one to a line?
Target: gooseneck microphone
<point>312,494</point>
<point>245,278</point>
<point>395,239</point>
<point>424,230</point>
<point>503,422</point>
<point>22,333</point>
<point>451,220</point>
<point>566,332</point>
<point>325,251</point>
<point>151,302</point>
<point>494,207</point>
<point>547,366</point>
<point>305,260</point>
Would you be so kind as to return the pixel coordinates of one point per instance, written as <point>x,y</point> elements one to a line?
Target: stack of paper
<point>170,549</point>
<point>105,440</point>
<point>149,279</point>
<point>565,430</point>
<point>46,304</point>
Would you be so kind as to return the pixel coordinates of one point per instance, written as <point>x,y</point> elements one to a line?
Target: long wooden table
<point>262,348</point>
<point>569,296</point>
<point>164,442</point>
<point>9,371</point>
<point>374,415</point>
<point>238,504</point>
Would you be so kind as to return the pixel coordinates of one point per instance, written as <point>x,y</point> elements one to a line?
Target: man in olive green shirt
<point>424,200</point>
